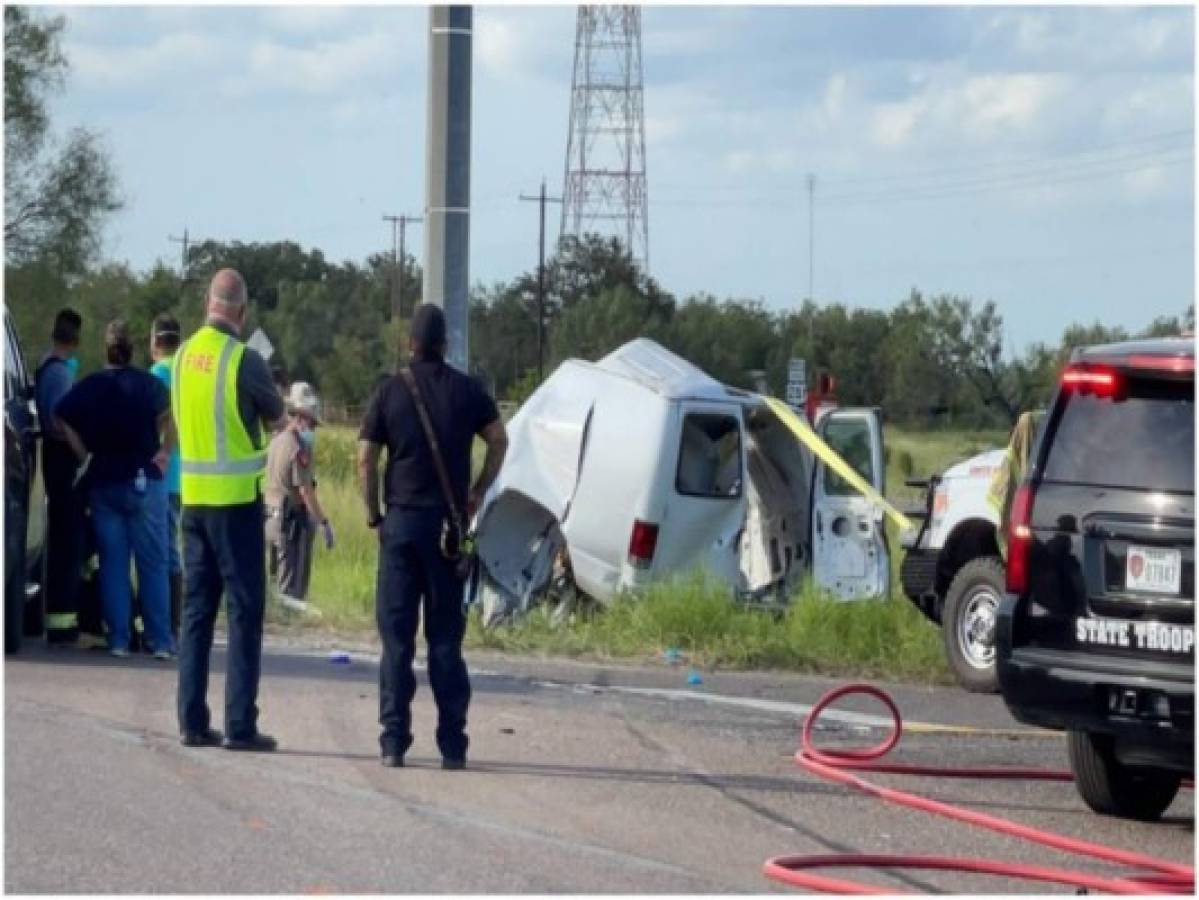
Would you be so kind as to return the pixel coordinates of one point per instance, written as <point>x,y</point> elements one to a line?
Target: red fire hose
<point>1147,874</point>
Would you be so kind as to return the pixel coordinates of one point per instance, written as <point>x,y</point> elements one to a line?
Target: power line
<point>1044,170</point>
<point>1012,181</point>
<point>1091,150</point>
<point>1123,150</point>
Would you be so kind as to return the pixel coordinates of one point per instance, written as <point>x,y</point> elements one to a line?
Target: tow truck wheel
<point>968,623</point>
<point>1113,789</point>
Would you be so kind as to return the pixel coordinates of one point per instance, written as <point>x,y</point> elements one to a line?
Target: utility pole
<point>541,199</point>
<point>447,175</point>
<point>183,241</point>
<point>399,225</point>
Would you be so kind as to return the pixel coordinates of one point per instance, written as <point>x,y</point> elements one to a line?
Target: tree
<point>593,328</point>
<point>55,198</point>
<point>727,340</point>
<point>970,345</point>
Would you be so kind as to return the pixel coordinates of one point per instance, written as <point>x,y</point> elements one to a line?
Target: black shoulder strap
<point>46,363</point>
<point>435,447</point>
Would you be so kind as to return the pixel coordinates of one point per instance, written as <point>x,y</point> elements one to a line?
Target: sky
<point>1042,158</point>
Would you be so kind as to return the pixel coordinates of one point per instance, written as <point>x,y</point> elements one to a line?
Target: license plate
<point>1153,570</point>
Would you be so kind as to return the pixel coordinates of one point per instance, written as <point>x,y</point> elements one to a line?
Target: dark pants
<point>222,551</point>
<point>65,533</point>
<point>411,569</point>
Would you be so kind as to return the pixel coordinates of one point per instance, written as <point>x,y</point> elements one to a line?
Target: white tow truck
<point>953,570</point>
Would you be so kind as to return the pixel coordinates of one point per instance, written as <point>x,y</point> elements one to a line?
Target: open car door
<point>849,545</point>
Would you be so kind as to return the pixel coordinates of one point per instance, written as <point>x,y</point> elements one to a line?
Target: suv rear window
<point>1143,440</point>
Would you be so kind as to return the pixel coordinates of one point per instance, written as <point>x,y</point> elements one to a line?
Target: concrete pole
<point>447,174</point>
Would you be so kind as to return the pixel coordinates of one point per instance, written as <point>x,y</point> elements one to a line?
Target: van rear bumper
<point>1103,695</point>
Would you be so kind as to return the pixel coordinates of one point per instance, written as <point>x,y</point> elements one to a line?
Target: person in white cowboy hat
<point>292,507</point>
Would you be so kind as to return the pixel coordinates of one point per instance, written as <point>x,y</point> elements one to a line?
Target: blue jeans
<point>174,510</point>
<point>224,554</point>
<point>131,524</point>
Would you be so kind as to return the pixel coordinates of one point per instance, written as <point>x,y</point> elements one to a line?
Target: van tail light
<point>1019,540</point>
<point>642,544</point>
<point>1101,382</point>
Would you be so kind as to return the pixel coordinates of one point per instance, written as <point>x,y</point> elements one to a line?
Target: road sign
<point>797,370</point>
<point>260,342</point>
<point>797,382</point>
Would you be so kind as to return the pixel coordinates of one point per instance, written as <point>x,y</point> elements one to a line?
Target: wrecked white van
<point>642,466</point>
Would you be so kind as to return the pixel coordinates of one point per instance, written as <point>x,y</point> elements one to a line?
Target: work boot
<point>209,737</point>
<point>255,743</point>
<point>176,603</point>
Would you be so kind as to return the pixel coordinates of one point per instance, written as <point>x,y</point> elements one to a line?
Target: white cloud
<point>120,65</point>
<point>772,161</point>
<point>1113,38</point>
<point>991,104</point>
<point>663,129</point>
<point>894,122</point>
<point>498,45</point>
<point>1153,103</point>
<point>834,96</point>
<point>1146,182</point>
<point>979,108</point>
<point>321,68</point>
<point>305,19</point>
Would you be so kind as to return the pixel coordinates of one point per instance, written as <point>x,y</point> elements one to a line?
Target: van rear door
<point>849,547</point>
<point>705,509</point>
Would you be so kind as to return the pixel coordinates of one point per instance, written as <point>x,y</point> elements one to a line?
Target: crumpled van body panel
<point>643,439</point>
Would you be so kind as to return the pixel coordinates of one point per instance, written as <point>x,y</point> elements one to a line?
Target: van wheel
<point>1113,789</point>
<point>968,623</point>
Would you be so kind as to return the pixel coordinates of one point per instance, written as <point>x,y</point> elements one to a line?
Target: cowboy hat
<point>301,398</point>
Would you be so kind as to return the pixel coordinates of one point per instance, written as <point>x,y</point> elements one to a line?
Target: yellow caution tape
<point>829,457</point>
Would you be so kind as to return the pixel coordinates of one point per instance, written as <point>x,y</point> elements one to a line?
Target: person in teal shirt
<point>164,341</point>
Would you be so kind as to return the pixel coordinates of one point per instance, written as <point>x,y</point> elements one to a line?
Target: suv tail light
<point>1177,364</point>
<point>1101,382</point>
<point>1019,540</point>
<point>642,544</point>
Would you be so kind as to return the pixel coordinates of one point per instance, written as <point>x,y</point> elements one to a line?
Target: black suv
<point>1096,635</point>
<point>24,501</point>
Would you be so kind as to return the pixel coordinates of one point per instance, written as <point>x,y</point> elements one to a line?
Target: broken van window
<point>709,456</point>
<point>851,439</point>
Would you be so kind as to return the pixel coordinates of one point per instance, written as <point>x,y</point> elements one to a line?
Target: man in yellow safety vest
<point>221,396</point>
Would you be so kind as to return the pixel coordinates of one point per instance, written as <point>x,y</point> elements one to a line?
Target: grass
<point>698,618</point>
<point>888,639</point>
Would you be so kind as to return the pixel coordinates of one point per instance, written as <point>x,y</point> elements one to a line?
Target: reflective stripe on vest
<point>219,463</point>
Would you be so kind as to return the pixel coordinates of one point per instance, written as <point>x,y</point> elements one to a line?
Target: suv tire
<point>968,623</point>
<point>1113,789</point>
<point>14,587</point>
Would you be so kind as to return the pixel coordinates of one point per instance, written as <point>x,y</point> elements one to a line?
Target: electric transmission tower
<point>605,189</point>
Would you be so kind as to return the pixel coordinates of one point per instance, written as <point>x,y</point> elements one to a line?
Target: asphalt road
<point>582,778</point>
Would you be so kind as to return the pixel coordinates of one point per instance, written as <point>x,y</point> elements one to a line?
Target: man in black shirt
<point>411,563</point>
